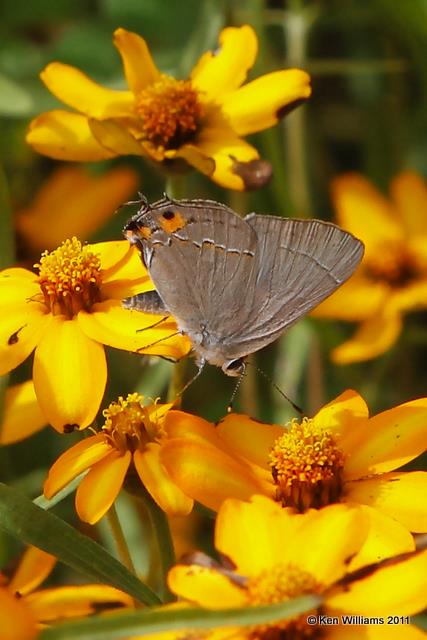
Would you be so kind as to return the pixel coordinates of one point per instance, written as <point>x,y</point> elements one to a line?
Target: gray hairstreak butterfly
<point>235,284</point>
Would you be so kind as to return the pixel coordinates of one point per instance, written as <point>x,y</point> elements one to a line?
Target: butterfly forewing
<point>299,263</point>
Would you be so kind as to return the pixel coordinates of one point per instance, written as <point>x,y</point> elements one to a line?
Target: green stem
<point>296,25</point>
<point>119,539</point>
<point>164,541</point>
<point>176,186</point>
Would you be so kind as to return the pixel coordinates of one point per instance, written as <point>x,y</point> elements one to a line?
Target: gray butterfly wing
<point>299,263</point>
<point>199,270</point>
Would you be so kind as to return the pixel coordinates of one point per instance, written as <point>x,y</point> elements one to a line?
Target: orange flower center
<point>70,278</point>
<point>306,465</point>
<point>170,112</point>
<point>128,425</point>
<point>278,584</point>
<point>393,264</point>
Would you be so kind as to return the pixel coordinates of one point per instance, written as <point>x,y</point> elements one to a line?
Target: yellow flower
<point>131,433</point>
<point>339,455</point>
<point>272,555</point>
<point>56,603</point>
<point>67,313</point>
<point>392,278</point>
<point>73,202</point>
<point>16,619</point>
<point>200,120</point>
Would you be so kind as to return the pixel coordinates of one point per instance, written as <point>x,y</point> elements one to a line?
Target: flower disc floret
<point>306,465</point>
<point>70,278</point>
<point>278,584</point>
<point>128,426</point>
<point>170,112</point>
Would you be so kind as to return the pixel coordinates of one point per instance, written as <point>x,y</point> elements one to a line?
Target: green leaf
<point>23,519</point>
<point>143,622</point>
<point>14,100</point>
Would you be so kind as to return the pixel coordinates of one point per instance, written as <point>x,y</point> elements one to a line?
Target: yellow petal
<point>34,567</point>
<point>327,540</point>
<point>395,437</point>
<point>218,73</point>
<point>409,192</point>
<point>339,414</point>
<point>386,538</point>
<point>113,255</point>
<point>399,587</point>
<point>70,602</point>
<point>65,136</point>
<point>399,495</point>
<point>194,157</point>
<point>76,90</point>
<point>208,474</point>
<point>22,415</point>
<point>364,211</point>
<point>226,149</point>
<point>74,461</point>
<point>410,297</point>
<point>249,438</point>
<point>84,201</point>
<point>179,424</point>
<point>373,337</point>
<point>98,490</point>
<point>121,328</point>
<point>70,374</point>
<point>124,271</point>
<point>263,526</point>
<point>115,137</point>
<point>158,483</point>
<point>139,68</point>
<point>22,320</point>
<point>17,621</point>
<point>205,587</point>
<point>347,418</point>
<point>357,299</point>
<point>259,104</point>
<point>18,272</point>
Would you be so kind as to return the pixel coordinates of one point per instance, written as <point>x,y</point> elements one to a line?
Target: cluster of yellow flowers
<point>319,507</point>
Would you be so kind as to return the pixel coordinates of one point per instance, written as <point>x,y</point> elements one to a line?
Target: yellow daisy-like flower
<point>67,313</point>
<point>56,603</point>
<point>273,555</point>
<point>392,278</point>
<point>339,455</point>
<point>201,120</point>
<point>132,433</point>
<point>73,202</point>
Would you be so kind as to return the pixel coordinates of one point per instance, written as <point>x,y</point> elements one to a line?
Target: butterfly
<point>235,284</point>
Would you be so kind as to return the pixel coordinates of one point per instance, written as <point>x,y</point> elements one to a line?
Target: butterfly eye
<point>234,367</point>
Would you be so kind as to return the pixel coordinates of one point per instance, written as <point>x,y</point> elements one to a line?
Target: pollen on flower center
<point>170,112</point>
<point>306,465</point>
<point>70,278</point>
<point>278,584</point>
<point>128,425</point>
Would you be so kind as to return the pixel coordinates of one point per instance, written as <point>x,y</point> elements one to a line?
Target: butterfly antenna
<point>282,393</point>
<point>141,200</point>
<point>236,388</point>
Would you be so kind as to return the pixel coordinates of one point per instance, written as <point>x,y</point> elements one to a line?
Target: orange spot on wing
<point>172,221</point>
<point>145,232</point>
